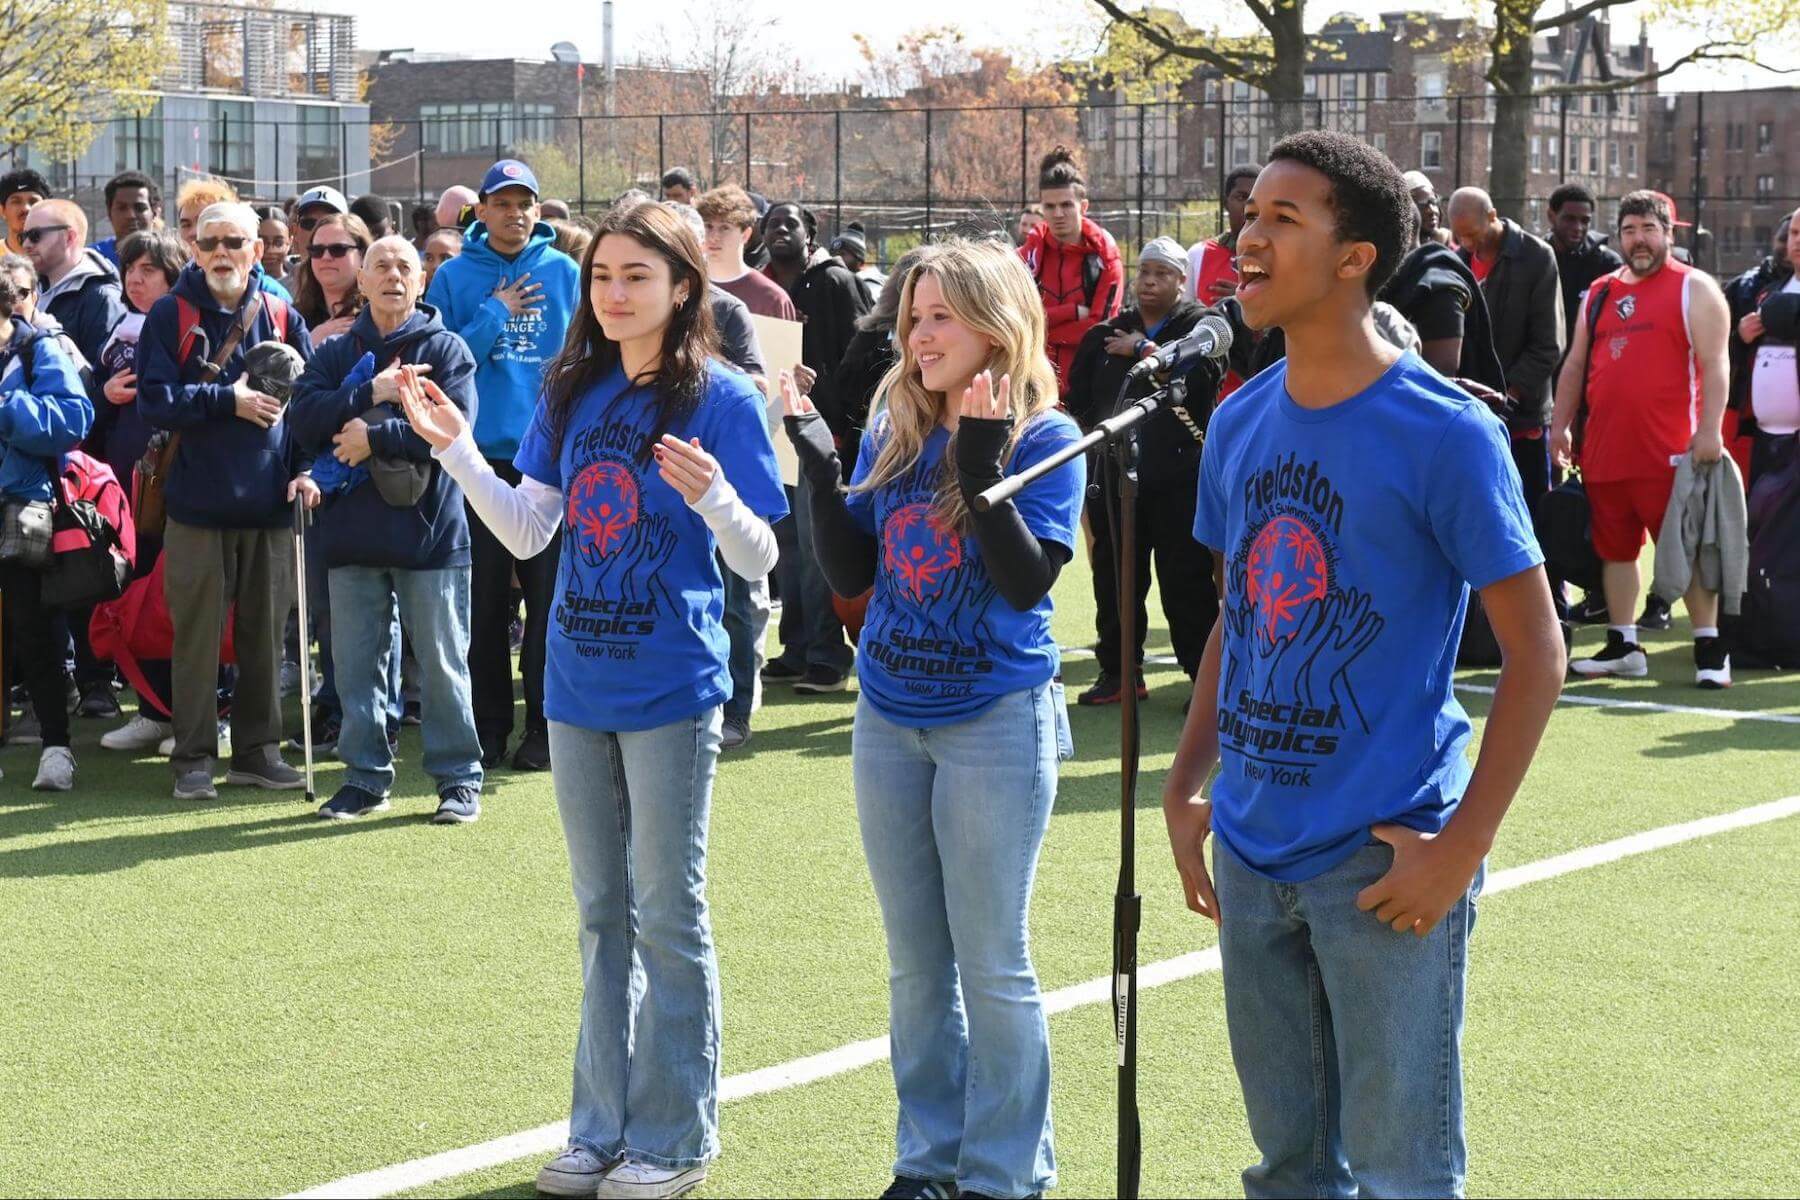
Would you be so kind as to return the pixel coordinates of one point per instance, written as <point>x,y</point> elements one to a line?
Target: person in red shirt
<point>1212,266</point>
<point>1653,369</point>
<point>1080,276</point>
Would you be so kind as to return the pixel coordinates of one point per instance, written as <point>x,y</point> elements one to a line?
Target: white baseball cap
<point>330,197</point>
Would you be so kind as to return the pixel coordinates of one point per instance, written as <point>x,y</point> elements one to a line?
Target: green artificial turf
<point>236,998</point>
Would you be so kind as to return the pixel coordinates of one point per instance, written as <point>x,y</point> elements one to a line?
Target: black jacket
<point>1745,295</point>
<point>1524,303</point>
<point>859,374</point>
<point>1578,268</point>
<point>828,299</point>
<point>1168,452</point>
<point>1426,276</point>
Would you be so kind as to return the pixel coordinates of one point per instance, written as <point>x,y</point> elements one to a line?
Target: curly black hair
<point>1571,191</point>
<point>1368,193</point>
<point>1058,170</point>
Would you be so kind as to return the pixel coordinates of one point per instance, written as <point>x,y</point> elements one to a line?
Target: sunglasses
<point>335,249</point>
<point>234,241</point>
<point>32,237</point>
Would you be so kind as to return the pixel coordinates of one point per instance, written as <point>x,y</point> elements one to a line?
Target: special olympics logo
<point>1287,571</point>
<point>919,550</point>
<point>603,506</point>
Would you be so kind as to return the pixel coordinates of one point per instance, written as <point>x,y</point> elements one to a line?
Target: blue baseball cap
<point>508,172</point>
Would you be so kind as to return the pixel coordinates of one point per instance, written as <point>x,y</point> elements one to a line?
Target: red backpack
<point>136,626</point>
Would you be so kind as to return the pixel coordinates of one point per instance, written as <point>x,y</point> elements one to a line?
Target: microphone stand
<point>1118,434</point>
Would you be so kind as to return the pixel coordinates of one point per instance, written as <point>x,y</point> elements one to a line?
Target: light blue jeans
<point>1347,1036</point>
<point>434,605</point>
<point>634,812</point>
<point>952,819</point>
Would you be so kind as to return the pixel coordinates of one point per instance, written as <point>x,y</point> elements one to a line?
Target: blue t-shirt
<point>1351,537</point>
<point>636,637</point>
<point>939,644</point>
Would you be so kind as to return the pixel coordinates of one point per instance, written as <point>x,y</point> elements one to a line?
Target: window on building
<point>1210,92</point>
<point>1631,104</point>
<point>1631,159</point>
<point>1243,151</point>
<point>1379,141</point>
<point>1309,87</point>
<point>1431,150</point>
<point>1431,96</point>
<point>1381,87</point>
<point>1765,188</point>
<point>1537,152</point>
<point>1765,136</point>
<point>138,142</point>
<point>1210,157</point>
<point>230,147</point>
<point>1555,158</point>
<point>1240,90</point>
<point>317,154</point>
<point>1612,158</point>
<point>1593,157</point>
<point>1734,187</point>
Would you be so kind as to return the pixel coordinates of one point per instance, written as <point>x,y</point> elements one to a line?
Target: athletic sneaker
<point>167,746</point>
<point>459,805</point>
<point>290,679</point>
<point>266,771</point>
<point>325,728</point>
<point>1656,613</point>
<point>98,702</point>
<point>56,770</point>
<point>195,785</point>
<point>24,729</point>
<point>735,735</point>
<point>777,671</point>
<point>819,680</point>
<point>1712,666</point>
<point>352,802</point>
<point>533,753</point>
<point>574,1172</point>
<point>1591,610</point>
<point>1620,657</point>
<point>139,733</point>
<point>905,1187</point>
<point>1106,690</point>
<point>640,1180</point>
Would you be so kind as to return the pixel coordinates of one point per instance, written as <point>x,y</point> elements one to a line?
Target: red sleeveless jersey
<point>1643,385</point>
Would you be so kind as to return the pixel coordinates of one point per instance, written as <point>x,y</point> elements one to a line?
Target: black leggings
<point>42,666</point>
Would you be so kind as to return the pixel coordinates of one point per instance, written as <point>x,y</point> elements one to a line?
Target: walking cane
<point>301,519</point>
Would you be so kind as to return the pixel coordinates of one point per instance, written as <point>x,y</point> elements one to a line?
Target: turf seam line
<point>1688,710</point>
<point>545,1139</point>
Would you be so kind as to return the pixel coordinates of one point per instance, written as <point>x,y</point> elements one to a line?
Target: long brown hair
<point>309,297</point>
<point>689,339</point>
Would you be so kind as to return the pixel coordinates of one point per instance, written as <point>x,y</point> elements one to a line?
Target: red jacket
<point>1089,273</point>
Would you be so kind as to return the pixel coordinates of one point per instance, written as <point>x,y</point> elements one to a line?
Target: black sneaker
<point>325,730</point>
<point>819,680</point>
<point>493,750</point>
<point>1106,690</point>
<point>905,1187</point>
<point>1712,666</point>
<point>736,734</point>
<point>350,803</point>
<point>1591,610</point>
<point>459,805</point>
<point>776,671</point>
<point>98,702</point>
<point>410,713</point>
<point>533,753</point>
<point>1620,658</point>
<point>1656,613</point>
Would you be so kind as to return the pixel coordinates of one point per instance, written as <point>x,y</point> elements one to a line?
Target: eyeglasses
<point>234,241</point>
<point>32,237</point>
<point>335,249</point>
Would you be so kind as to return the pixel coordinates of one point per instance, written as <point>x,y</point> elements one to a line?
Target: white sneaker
<point>574,1172</point>
<point>139,733</point>
<point>167,746</point>
<point>630,1179</point>
<point>1620,658</point>
<point>56,770</point>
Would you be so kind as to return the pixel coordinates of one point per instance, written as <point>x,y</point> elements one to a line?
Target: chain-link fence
<point>909,173</point>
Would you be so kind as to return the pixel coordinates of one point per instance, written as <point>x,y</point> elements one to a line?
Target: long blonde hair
<point>987,288</point>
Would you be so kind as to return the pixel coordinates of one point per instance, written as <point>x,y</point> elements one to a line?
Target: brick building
<point>1731,160</point>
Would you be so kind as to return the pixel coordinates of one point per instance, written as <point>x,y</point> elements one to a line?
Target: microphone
<point>1211,338</point>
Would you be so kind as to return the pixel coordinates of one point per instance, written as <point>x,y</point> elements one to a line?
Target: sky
<point>819,32</point>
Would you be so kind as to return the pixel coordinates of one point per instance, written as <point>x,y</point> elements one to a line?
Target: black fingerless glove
<point>979,444</point>
<point>814,447</point>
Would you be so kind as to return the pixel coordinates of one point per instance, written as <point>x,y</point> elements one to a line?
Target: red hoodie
<point>1066,281</point>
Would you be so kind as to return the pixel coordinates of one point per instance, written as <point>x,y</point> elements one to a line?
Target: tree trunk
<point>1511,77</point>
<point>1287,78</point>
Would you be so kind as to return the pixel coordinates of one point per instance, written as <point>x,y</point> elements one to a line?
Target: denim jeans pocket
<point>1065,738</point>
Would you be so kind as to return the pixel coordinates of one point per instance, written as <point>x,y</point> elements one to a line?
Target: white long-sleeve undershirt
<point>526,517</point>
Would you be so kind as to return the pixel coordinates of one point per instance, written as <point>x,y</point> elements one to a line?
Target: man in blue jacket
<point>393,526</point>
<point>80,288</point>
<point>235,475</point>
<point>44,413</point>
<point>510,294</point>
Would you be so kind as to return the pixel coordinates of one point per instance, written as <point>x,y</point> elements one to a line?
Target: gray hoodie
<point>1706,529</point>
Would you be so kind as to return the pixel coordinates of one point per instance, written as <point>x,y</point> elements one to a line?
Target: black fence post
<point>581,163</point>
<point>499,144</point>
<point>1143,169</point>
<point>1224,150</point>
<point>837,166</point>
<point>419,167</point>
<point>1459,142</point>
<point>1024,156</point>
<point>661,164</point>
<point>928,174</point>
<point>1699,163</point>
<point>276,174</point>
<point>747,186</point>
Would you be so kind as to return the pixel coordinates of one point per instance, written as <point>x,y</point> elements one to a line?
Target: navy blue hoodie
<point>87,302</point>
<point>358,528</point>
<point>229,472</point>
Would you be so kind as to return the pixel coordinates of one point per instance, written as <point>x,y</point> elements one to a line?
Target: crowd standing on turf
<point>525,431</point>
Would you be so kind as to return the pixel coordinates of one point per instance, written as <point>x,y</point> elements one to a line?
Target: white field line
<point>1722,714</point>
<point>546,1139</point>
